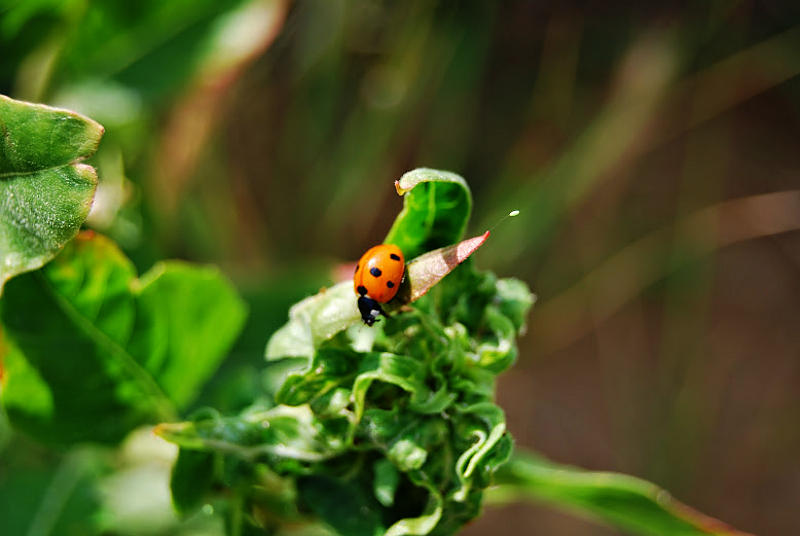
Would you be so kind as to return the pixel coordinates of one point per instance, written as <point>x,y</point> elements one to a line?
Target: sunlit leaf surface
<point>45,192</point>
<point>120,350</point>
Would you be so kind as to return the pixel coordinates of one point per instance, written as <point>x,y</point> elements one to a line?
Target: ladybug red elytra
<point>377,278</point>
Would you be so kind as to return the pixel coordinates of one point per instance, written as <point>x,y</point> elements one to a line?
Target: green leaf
<point>44,495</point>
<point>431,515</point>
<point>514,300</point>
<point>330,368</point>
<point>282,433</point>
<point>314,320</point>
<point>343,507</point>
<point>120,351</point>
<point>192,476</point>
<point>436,209</point>
<point>45,193</point>
<point>189,316</point>
<point>386,480</point>
<point>627,502</point>
<point>151,46</point>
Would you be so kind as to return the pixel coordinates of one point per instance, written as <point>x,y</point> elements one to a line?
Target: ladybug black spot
<point>356,269</point>
<point>394,257</point>
<point>362,289</point>
<point>389,284</point>
<point>375,271</point>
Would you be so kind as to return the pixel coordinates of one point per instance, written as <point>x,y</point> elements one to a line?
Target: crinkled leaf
<point>431,515</point>
<point>45,192</point>
<point>283,434</point>
<point>330,368</point>
<point>436,208</point>
<point>120,351</point>
<point>487,425</point>
<point>621,500</point>
<point>514,301</point>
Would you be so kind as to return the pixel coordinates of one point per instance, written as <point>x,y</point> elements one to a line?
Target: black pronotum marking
<point>362,289</point>
<point>375,271</point>
<point>393,256</point>
<point>389,284</point>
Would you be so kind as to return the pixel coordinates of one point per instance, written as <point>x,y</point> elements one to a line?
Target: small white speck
<point>513,213</point>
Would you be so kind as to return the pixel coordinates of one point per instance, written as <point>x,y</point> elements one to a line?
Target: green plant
<point>384,430</point>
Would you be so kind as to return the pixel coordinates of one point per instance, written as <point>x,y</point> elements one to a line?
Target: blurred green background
<point>653,150</point>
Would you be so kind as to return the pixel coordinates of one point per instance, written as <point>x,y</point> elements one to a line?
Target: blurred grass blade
<point>436,209</point>
<point>640,85</point>
<point>120,351</point>
<point>632,504</point>
<point>45,193</point>
<point>602,292</point>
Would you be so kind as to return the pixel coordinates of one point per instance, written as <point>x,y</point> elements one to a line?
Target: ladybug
<point>377,278</point>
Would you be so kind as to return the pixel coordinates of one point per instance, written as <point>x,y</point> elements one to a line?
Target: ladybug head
<point>369,309</point>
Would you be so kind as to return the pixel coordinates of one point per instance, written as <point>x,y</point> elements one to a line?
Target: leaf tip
<point>429,268</point>
<point>170,430</point>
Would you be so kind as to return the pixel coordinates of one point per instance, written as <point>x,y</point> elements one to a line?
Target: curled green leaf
<point>45,192</point>
<point>436,207</point>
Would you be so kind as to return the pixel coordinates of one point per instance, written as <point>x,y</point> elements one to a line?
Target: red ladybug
<point>377,278</point>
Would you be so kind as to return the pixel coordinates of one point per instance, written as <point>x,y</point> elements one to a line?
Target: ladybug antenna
<point>504,218</point>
